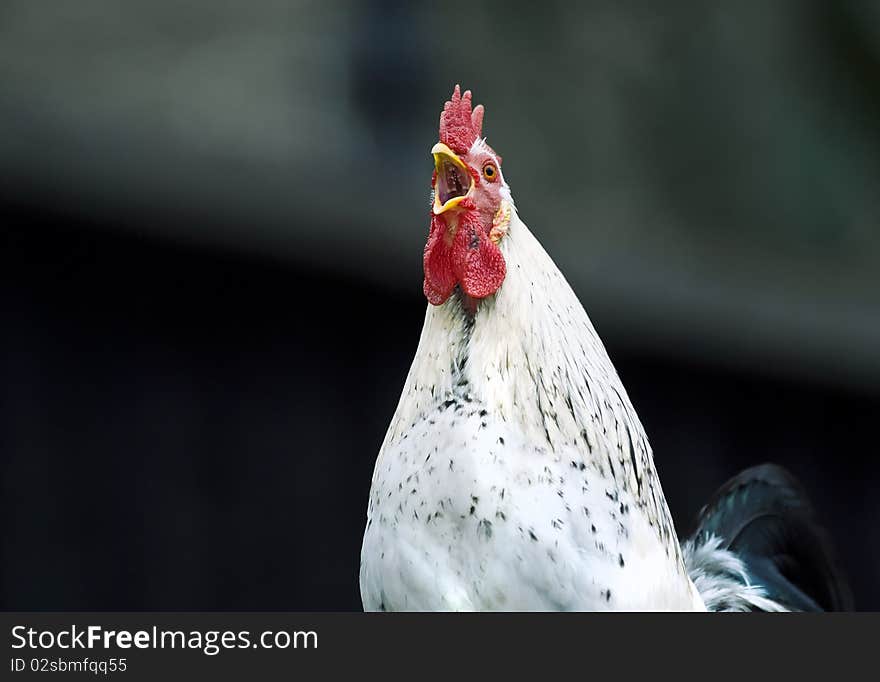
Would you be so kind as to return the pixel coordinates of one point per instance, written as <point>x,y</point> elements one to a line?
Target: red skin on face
<point>459,250</point>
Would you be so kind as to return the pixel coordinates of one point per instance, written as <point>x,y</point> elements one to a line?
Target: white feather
<point>721,579</point>
<point>538,428</point>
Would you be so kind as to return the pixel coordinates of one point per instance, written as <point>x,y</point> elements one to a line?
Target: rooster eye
<point>490,172</point>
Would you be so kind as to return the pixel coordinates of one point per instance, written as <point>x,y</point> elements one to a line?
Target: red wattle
<point>476,261</point>
<point>439,276</point>
<point>471,260</point>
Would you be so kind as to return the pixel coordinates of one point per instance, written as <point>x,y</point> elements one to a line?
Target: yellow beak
<point>452,178</point>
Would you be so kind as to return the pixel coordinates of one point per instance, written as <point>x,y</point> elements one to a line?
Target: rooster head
<point>470,210</point>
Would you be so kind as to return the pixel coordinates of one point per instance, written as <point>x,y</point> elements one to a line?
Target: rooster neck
<point>530,357</point>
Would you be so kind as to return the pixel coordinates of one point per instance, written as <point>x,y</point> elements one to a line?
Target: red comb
<point>459,126</point>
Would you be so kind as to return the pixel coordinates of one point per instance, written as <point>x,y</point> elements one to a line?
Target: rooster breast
<point>465,515</point>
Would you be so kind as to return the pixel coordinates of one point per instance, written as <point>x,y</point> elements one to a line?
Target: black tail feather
<point>764,517</point>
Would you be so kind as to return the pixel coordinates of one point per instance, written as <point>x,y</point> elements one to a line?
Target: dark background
<point>211,251</point>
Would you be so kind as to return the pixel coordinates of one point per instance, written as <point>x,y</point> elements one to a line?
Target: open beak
<point>454,181</point>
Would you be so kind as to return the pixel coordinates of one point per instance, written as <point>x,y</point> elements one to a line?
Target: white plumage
<point>515,473</point>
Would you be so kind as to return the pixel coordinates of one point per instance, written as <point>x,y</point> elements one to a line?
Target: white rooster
<point>515,473</point>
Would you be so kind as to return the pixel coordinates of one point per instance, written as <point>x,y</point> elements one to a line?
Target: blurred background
<point>213,217</point>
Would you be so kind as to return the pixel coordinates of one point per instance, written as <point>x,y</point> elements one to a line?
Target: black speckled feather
<point>764,517</point>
